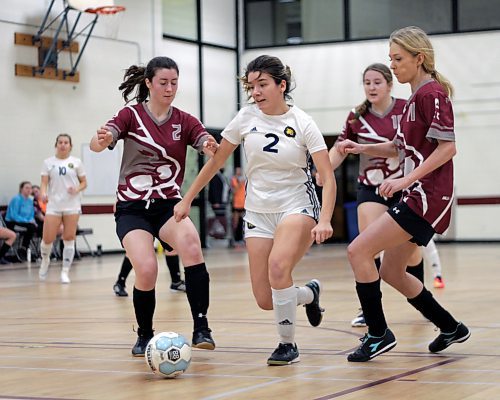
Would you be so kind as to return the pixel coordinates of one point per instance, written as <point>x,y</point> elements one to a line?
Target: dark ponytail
<point>135,75</point>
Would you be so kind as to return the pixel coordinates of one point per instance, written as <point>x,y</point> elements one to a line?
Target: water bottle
<point>28,255</point>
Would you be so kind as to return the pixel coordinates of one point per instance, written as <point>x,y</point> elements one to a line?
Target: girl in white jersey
<point>283,215</point>
<point>63,178</point>
<point>425,143</point>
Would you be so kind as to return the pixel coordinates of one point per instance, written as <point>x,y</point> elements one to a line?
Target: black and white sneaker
<point>444,340</point>
<point>314,311</point>
<point>119,289</point>
<point>373,346</point>
<point>143,339</point>
<point>284,354</point>
<point>359,320</point>
<point>177,287</point>
<point>202,339</point>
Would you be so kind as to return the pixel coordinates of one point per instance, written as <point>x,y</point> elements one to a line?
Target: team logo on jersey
<point>290,132</point>
<point>254,129</point>
<point>70,165</point>
<point>250,226</point>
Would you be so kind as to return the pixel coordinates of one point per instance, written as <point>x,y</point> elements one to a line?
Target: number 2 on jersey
<point>270,147</point>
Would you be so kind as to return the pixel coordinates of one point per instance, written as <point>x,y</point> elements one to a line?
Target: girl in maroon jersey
<point>156,135</point>
<point>374,121</point>
<point>425,143</point>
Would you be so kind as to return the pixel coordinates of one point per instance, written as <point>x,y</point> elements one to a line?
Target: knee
<point>277,272</point>
<point>146,270</point>
<point>353,253</point>
<point>388,275</point>
<point>190,246</point>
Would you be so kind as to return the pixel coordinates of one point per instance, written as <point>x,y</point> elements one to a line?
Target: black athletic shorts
<point>369,194</point>
<point>149,216</point>
<point>421,231</point>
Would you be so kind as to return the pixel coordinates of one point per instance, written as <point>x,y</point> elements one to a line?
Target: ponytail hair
<point>362,108</point>
<point>136,75</point>
<point>415,41</point>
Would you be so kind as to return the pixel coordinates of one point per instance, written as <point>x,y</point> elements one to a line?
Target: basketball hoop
<point>111,16</point>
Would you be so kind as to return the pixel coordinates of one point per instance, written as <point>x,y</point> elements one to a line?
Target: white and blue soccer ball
<point>168,354</point>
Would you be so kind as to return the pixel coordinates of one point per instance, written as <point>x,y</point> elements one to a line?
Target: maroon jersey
<point>154,152</point>
<point>427,117</point>
<point>374,128</point>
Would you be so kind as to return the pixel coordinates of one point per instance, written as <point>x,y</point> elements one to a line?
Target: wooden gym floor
<point>73,341</point>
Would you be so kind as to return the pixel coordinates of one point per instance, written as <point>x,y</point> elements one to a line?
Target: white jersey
<point>63,174</point>
<point>277,150</point>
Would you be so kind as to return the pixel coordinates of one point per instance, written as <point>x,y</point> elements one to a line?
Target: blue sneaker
<point>373,346</point>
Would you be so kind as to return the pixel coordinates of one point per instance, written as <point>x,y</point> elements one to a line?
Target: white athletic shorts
<point>264,225</point>
<point>60,213</point>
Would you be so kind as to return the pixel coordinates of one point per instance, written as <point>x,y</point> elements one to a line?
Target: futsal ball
<point>168,354</point>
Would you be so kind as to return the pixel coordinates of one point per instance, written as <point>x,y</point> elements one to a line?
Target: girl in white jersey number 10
<point>283,215</point>
<point>425,143</point>
<point>63,178</point>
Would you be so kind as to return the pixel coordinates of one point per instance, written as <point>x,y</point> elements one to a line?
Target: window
<point>375,19</point>
<point>286,22</point>
<point>478,14</point>
<point>180,18</point>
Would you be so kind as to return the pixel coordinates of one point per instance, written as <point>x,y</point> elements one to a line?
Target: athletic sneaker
<point>438,282</point>
<point>119,289</point>
<point>284,354</point>
<point>314,311</point>
<point>65,277</point>
<point>178,286</point>
<point>140,345</point>
<point>202,339</point>
<point>373,346</point>
<point>44,271</point>
<point>461,334</point>
<point>359,320</point>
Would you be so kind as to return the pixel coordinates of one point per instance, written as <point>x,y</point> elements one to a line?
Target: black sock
<point>125,270</point>
<point>377,263</point>
<point>370,298</point>
<point>173,267</point>
<point>432,310</point>
<point>4,249</point>
<point>144,307</point>
<point>417,270</point>
<point>197,290</point>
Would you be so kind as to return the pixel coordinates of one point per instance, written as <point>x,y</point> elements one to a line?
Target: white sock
<point>285,311</point>
<point>45,250</point>
<point>305,295</point>
<point>431,256</point>
<point>68,254</point>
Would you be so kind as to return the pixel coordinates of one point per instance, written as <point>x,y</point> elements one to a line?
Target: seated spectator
<point>21,212</point>
<point>8,238</point>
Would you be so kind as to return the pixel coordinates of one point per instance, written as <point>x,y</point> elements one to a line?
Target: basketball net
<point>111,24</point>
